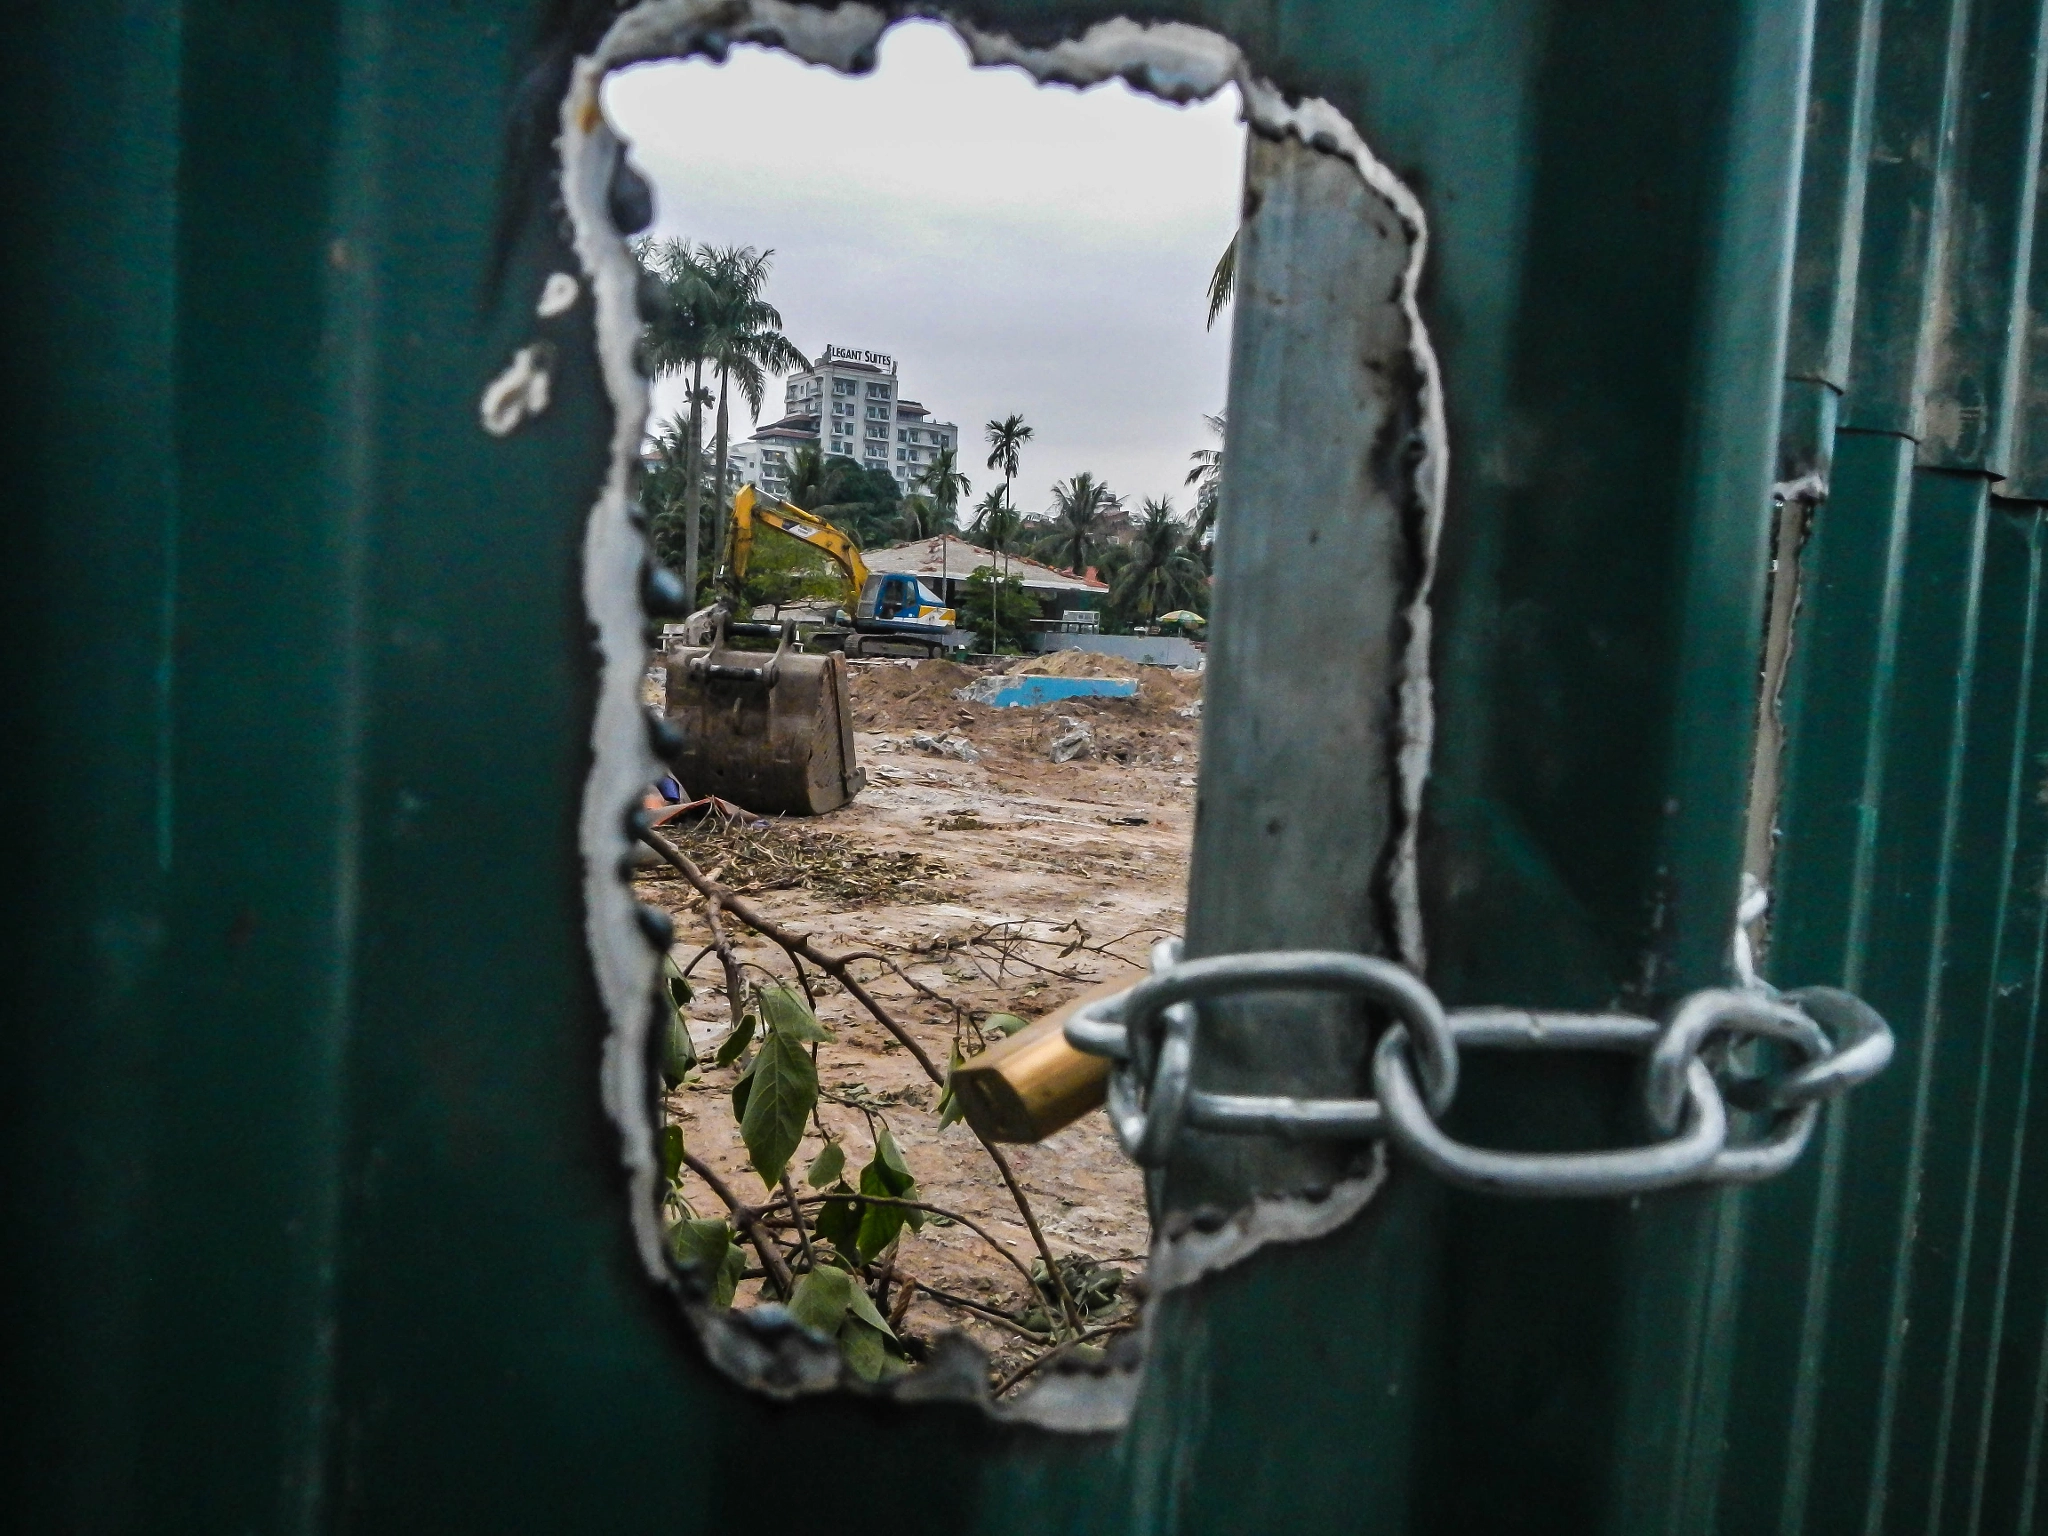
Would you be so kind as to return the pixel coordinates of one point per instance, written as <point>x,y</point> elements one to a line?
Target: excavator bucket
<point>771,733</point>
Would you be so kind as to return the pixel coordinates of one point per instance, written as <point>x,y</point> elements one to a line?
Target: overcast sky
<point>1014,247</point>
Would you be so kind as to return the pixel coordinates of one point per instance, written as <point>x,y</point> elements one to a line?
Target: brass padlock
<point>1029,1086</point>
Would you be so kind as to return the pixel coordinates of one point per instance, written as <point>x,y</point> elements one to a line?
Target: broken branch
<point>748,1220</point>
<point>836,966</point>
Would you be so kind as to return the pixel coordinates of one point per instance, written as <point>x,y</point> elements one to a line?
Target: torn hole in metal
<point>1336,438</point>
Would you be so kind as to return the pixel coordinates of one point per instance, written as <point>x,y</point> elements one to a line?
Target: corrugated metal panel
<point>326,1222</point>
<point>1908,861</point>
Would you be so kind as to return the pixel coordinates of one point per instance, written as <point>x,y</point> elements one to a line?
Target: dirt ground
<point>978,878</point>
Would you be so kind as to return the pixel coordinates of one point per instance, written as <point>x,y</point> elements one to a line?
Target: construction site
<point>1000,860</point>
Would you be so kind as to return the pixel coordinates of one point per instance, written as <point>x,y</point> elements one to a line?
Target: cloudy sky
<point>1014,247</point>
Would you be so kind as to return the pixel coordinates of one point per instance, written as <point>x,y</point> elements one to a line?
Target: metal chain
<point>1150,1033</point>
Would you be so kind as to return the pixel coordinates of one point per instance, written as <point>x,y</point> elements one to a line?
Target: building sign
<point>881,360</point>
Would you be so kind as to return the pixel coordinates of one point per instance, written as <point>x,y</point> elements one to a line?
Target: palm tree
<point>1078,507</point>
<point>743,341</point>
<point>1223,281</point>
<point>807,474</point>
<point>995,520</point>
<point>918,518</point>
<point>664,491</point>
<point>1207,479</point>
<point>1006,440</point>
<point>946,485</point>
<point>674,342</point>
<point>1164,573</point>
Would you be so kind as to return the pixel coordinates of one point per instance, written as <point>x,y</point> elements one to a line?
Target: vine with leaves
<point>827,1250</point>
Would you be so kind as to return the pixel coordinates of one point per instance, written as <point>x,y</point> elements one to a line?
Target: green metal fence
<point>314,1217</point>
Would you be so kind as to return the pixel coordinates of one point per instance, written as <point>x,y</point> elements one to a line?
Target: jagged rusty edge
<point>622,762</point>
<point>1172,60</point>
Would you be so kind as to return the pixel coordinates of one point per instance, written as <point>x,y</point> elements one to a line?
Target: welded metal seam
<point>1316,123</point>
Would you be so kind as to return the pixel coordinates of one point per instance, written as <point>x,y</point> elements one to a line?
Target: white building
<point>743,464</point>
<point>848,406</point>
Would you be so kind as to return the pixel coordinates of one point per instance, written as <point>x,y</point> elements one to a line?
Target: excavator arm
<point>749,506</point>
<point>893,606</point>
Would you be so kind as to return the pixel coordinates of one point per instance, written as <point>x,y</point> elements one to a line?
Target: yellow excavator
<point>774,733</point>
<point>885,608</point>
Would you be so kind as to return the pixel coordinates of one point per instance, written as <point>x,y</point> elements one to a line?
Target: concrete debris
<point>949,745</point>
<point>1076,741</point>
<point>1190,711</point>
<point>1185,781</point>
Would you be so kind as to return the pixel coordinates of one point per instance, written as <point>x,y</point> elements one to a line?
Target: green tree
<point>917,517</point>
<point>1207,478</point>
<point>998,608</point>
<point>784,570</point>
<point>807,478</point>
<point>1006,440</point>
<point>1164,572</point>
<point>1079,505</point>
<point>1223,281</point>
<point>1110,565</point>
<point>942,481</point>
<point>673,498</point>
<point>743,342</point>
<point>864,502</point>
<point>996,523</point>
<point>679,286</point>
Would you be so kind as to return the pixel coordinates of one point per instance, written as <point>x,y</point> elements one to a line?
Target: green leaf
<point>679,993</point>
<point>895,1171</point>
<point>1003,1025</point>
<point>784,1087</point>
<point>729,1274</point>
<point>1095,1286</point>
<point>862,1306</point>
<point>866,1352</point>
<point>743,1090</point>
<point>949,1102</point>
<point>821,1299</point>
<point>790,1016</point>
<point>736,1040</point>
<point>678,1053</point>
<point>671,1153</point>
<point>705,1249</point>
<point>827,1165</point>
<point>838,1221</point>
<point>886,1174</point>
<point>879,1224</point>
<point>902,1183</point>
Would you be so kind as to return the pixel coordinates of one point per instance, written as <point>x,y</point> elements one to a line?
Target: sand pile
<point>888,695</point>
<point>1075,664</point>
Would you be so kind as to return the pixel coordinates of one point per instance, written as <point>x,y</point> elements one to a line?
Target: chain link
<point>1150,1032</point>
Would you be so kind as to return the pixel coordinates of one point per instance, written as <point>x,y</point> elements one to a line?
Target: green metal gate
<point>315,1217</point>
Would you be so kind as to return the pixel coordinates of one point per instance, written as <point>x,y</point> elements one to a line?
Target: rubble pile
<point>912,705</point>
